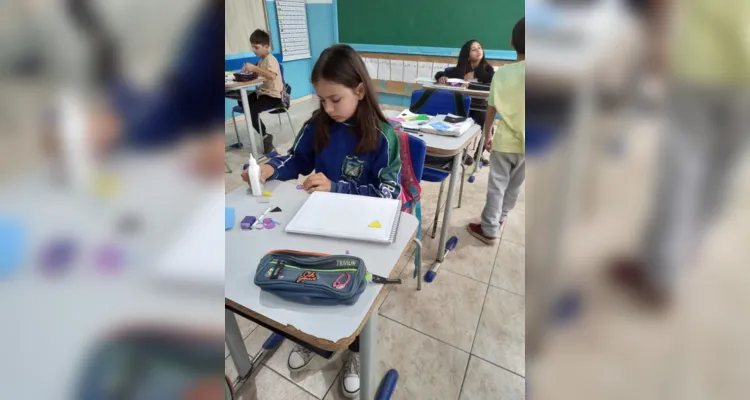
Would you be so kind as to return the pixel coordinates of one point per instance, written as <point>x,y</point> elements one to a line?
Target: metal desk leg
<point>368,341</point>
<point>249,121</point>
<point>418,265</point>
<point>449,206</point>
<point>236,345</point>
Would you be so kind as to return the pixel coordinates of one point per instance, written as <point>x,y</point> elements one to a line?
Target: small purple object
<point>347,252</point>
<point>268,224</point>
<point>300,187</point>
<point>57,257</point>
<point>109,258</point>
<point>247,222</point>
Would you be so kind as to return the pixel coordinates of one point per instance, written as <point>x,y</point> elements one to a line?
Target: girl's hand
<point>443,80</point>
<point>266,171</point>
<point>317,183</point>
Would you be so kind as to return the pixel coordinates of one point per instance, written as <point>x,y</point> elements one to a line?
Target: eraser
<point>247,222</point>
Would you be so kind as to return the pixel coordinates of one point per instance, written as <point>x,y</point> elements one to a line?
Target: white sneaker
<point>299,358</point>
<point>350,378</point>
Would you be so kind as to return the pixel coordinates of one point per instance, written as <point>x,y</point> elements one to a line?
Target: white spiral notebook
<point>347,216</point>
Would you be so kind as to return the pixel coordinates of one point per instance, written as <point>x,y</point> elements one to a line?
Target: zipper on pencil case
<point>318,270</point>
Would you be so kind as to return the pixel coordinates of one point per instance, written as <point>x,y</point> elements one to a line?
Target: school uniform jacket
<point>374,174</point>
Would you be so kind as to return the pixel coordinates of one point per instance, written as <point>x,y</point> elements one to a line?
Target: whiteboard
<point>295,42</point>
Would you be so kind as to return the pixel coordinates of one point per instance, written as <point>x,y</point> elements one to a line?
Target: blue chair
<point>283,109</point>
<point>417,153</point>
<point>441,102</point>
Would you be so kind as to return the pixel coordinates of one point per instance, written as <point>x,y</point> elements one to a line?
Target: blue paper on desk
<point>228,218</point>
<point>12,246</point>
<point>441,126</point>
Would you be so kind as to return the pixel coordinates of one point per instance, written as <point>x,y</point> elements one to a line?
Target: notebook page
<point>346,216</point>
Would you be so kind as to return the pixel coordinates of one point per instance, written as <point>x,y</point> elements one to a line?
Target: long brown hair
<point>341,64</point>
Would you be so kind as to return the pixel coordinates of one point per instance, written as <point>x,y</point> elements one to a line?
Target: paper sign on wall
<point>424,70</point>
<point>410,71</point>
<point>384,69</point>
<point>372,67</point>
<point>397,70</point>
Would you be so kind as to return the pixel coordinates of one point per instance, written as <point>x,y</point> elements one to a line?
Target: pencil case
<point>312,278</point>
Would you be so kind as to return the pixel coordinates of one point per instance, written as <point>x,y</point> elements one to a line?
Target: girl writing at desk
<point>351,147</point>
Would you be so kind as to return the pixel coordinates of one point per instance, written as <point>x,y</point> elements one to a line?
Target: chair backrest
<point>418,152</point>
<point>439,102</point>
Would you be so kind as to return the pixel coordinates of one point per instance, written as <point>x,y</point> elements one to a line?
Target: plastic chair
<point>276,111</point>
<point>441,102</point>
<point>415,159</point>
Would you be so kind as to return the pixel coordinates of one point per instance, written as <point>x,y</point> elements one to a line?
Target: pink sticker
<point>300,187</point>
<point>338,284</point>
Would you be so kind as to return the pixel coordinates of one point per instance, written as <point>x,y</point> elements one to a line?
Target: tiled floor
<point>461,337</point>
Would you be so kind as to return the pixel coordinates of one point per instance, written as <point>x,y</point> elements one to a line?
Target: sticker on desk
<point>375,224</point>
<point>307,276</point>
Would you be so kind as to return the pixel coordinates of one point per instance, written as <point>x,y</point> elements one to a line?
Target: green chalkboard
<point>433,23</point>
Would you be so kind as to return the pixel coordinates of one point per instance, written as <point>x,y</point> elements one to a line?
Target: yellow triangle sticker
<point>375,224</point>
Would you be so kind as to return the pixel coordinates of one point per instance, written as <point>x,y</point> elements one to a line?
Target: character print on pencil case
<point>307,276</point>
<point>341,281</point>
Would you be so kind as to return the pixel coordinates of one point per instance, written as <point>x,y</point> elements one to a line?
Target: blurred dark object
<point>152,363</point>
<point>245,76</point>
<point>106,61</point>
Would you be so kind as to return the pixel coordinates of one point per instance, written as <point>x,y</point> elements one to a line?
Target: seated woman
<point>471,65</point>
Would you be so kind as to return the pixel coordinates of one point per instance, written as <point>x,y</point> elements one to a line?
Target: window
<point>241,18</point>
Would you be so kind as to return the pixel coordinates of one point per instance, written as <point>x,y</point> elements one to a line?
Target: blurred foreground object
<point>659,202</point>
<point>127,122</point>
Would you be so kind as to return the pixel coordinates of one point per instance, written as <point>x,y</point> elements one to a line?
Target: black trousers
<point>257,104</point>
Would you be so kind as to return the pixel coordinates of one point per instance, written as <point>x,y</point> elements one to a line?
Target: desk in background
<point>242,88</point>
<point>438,145</point>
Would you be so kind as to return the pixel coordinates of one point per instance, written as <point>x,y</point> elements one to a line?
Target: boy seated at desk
<point>268,95</point>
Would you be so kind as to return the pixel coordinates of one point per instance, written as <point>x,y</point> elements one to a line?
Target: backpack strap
<point>410,187</point>
<point>422,100</point>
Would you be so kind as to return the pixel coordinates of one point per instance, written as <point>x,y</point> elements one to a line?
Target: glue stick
<point>253,173</point>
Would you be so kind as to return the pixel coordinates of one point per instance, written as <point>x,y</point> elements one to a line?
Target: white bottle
<point>253,172</point>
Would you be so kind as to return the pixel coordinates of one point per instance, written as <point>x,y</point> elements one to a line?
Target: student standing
<point>507,156</point>
<point>268,95</point>
<point>351,147</point>
<point>707,131</point>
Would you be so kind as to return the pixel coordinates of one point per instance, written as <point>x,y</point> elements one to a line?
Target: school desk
<point>329,328</point>
<point>242,88</point>
<point>438,145</point>
<point>480,94</point>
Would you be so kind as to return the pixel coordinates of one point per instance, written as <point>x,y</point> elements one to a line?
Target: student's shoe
<point>350,378</point>
<point>476,231</point>
<point>468,160</point>
<point>299,358</point>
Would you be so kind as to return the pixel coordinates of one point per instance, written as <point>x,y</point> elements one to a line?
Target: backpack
<point>410,188</point>
<point>286,96</point>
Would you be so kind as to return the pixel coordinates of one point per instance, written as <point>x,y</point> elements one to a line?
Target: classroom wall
<point>321,27</point>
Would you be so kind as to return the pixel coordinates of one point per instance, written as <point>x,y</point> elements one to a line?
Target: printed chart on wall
<point>295,44</point>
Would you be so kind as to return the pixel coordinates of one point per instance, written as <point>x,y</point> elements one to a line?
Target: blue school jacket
<point>374,174</point>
